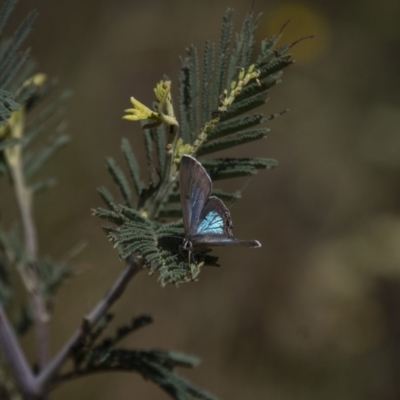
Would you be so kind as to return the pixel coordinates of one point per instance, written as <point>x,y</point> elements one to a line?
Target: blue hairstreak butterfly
<point>206,220</point>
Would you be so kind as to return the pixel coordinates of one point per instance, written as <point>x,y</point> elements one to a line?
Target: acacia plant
<point>215,103</point>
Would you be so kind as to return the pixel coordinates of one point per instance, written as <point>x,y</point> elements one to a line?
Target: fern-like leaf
<point>236,125</point>
<point>40,186</point>
<point>120,180</point>
<point>149,155</point>
<point>155,365</point>
<point>106,196</point>
<point>15,43</point>
<point>7,106</point>
<point>235,140</point>
<point>42,156</point>
<point>5,13</point>
<point>208,70</point>
<point>159,245</point>
<point>223,56</point>
<point>8,143</point>
<point>158,137</point>
<point>214,105</point>
<point>224,168</point>
<point>245,105</point>
<point>133,166</point>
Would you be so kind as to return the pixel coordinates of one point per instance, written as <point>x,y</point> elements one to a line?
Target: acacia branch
<point>46,378</point>
<point>15,357</point>
<point>28,273</point>
<point>35,387</point>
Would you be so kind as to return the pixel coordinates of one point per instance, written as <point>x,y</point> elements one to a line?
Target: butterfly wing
<point>215,219</point>
<point>215,227</point>
<point>195,189</point>
<point>206,220</point>
<point>215,241</point>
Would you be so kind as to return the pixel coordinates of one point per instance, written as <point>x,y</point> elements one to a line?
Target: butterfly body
<point>206,220</point>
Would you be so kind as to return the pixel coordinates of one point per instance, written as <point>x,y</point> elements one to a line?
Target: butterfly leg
<point>194,267</point>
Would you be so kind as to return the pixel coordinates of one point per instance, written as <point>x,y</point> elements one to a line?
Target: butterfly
<point>206,220</point>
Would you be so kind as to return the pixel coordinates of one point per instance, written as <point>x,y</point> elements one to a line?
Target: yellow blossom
<point>182,149</point>
<point>164,113</point>
<point>140,112</point>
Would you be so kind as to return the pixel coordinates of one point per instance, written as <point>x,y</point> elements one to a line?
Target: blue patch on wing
<point>212,224</point>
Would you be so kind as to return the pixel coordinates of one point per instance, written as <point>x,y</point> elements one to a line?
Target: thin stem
<point>24,198</point>
<point>14,356</point>
<point>35,387</point>
<point>29,275</point>
<point>45,379</point>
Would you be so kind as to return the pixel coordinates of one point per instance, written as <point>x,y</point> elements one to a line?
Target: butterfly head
<point>187,244</point>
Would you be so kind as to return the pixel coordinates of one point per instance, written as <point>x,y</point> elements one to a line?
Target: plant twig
<point>30,276</point>
<point>16,359</point>
<point>35,387</point>
<point>24,199</point>
<point>46,378</point>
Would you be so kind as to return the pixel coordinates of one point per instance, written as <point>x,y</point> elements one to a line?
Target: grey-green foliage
<point>47,124</point>
<point>238,125</point>
<point>8,143</point>
<point>157,243</point>
<point>200,87</point>
<point>44,134</point>
<point>12,59</point>
<point>13,258</point>
<point>52,274</point>
<point>225,168</point>
<point>16,91</point>
<point>155,365</point>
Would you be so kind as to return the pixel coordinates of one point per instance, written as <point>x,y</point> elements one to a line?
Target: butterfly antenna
<point>171,236</point>
<point>233,202</point>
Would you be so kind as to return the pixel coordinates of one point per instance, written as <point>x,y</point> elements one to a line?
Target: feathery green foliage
<point>216,104</point>
<point>158,244</point>
<point>223,168</point>
<point>8,143</point>
<point>206,82</point>
<point>12,60</point>
<point>52,275</point>
<point>158,137</point>
<point>44,123</point>
<point>48,121</point>
<point>21,90</point>
<point>155,365</point>
<point>222,57</point>
<point>216,101</point>
<point>120,180</point>
<point>7,106</point>
<point>13,258</point>
<point>235,125</point>
<point>231,141</point>
<point>18,137</point>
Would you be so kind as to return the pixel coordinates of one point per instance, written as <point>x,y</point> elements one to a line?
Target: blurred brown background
<point>313,314</point>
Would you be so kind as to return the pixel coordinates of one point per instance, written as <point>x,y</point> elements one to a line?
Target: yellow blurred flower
<point>140,112</point>
<point>165,111</point>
